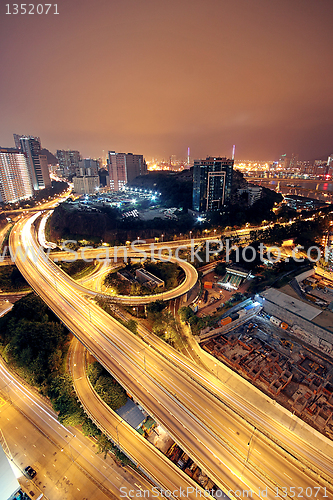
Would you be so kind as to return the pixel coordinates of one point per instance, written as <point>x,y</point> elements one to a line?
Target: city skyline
<point>156,79</point>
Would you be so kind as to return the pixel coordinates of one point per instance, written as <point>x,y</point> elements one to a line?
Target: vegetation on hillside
<point>106,386</point>
<point>35,343</point>
<point>11,280</point>
<point>175,188</point>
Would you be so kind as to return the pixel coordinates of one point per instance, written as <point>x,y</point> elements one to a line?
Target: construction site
<point>297,376</point>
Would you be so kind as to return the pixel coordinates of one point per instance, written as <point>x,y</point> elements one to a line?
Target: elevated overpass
<point>180,396</point>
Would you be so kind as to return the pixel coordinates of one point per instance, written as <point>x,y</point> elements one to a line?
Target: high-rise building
<point>38,169</point>
<point>17,140</point>
<point>212,181</point>
<point>45,171</point>
<point>15,180</point>
<point>124,167</point>
<point>86,184</point>
<point>330,165</point>
<point>87,166</point>
<point>68,161</point>
<point>9,484</point>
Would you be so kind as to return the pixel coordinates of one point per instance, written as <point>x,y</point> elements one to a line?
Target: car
<point>30,472</point>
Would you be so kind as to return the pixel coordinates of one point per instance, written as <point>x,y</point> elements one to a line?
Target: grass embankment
<point>77,269</point>
<point>5,242</point>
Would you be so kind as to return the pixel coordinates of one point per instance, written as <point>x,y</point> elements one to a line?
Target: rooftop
<point>132,414</point>
<point>296,306</point>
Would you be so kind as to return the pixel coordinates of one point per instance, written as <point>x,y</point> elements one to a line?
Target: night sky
<point>154,77</point>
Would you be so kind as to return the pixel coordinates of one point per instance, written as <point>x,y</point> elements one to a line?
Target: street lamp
<point>117,431</point>
<point>70,450</point>
<point>190,234</point>
<point>144,358</point>
<point>249,443</point>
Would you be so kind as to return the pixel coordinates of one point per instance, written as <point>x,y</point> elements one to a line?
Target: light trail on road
<point>185,418</point>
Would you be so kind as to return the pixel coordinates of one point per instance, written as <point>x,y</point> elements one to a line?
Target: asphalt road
<point>145,455</point>
<point>187,410</point>
<point>66,462</point>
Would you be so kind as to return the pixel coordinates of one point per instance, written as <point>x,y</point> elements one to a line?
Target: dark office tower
<point>212,180</point>
<point>123,168</point>
<point>37,163</point>
<point>68,161</point>
<point>45,171</point>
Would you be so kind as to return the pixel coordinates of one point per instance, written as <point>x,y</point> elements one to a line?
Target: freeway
<point>193,417</point>
<point>66,461</point>
<point>162,471</point>
<point>291,433</point>
<point>306,450</point>
<point>121,353</point>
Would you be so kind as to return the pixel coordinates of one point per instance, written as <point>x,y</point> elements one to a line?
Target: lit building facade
<point>15,181</point>
<point>86,184</point>
<point>123,168</point>
<point>212,181</point>
<point>68,161</point>
<point>330,165</point>
<point>9,484</point>
<point>37,163</point>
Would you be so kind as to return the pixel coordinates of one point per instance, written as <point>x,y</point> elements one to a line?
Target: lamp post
<point>249,444</point>
<point>70,450</point>
<point>118,432</point>
<point>144,358</point>
<point>89,313</point>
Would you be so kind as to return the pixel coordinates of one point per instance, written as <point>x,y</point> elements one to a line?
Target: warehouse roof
<point>296,306</point>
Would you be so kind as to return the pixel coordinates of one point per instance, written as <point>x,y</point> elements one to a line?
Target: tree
<point>220,268</point>
<point>106,386</point>
<point>185,313</point>
<point>154,310</point>
<point>132,325</point>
